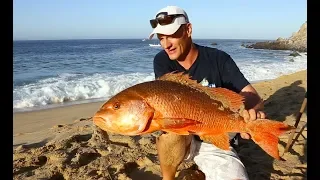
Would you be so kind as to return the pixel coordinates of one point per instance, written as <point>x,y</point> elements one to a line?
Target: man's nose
<point>166,44</point>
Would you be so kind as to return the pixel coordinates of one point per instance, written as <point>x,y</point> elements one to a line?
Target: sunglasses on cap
<point>163,19</point>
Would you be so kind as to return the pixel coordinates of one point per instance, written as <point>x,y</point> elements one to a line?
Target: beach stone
<point>294,54</point>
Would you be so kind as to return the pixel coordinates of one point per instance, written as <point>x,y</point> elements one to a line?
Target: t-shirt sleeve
<point>232,77</point>
<point>161,65</point>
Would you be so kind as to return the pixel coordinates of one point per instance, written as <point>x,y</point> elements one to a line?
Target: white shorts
<point>215,163</point>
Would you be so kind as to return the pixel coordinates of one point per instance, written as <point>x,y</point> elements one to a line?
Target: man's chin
<point>173,58</point>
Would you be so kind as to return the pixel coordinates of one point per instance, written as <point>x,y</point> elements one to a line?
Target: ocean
<point>51,73</point>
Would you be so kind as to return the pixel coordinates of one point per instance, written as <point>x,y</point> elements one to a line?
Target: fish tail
<point>265,133</point>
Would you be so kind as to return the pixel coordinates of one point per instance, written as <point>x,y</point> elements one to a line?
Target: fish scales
<point>176,100</point>
<point>175,103</point>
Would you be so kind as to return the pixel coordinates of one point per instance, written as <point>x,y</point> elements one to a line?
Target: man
<point>211,67</point>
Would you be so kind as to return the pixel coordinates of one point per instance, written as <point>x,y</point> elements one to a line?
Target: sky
<point>106,19</point>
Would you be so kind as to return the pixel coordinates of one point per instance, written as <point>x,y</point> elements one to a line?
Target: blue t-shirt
<point>213,68</point>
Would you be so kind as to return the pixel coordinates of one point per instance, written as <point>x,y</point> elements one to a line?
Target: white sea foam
<point>257,70</point>
<point>76,87</point>
<point>72,87</point>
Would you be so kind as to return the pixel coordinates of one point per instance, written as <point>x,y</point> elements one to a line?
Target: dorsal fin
<point>228,98</point>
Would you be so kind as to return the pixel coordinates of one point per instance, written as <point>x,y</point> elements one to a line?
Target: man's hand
<point>251,115</point>
<point>253,103</point>
<point>172,149</point>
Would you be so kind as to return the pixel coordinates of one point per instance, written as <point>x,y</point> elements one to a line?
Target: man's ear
<point>189,29</point>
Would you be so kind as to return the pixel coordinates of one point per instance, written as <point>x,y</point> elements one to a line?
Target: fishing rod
<point>298,117</point>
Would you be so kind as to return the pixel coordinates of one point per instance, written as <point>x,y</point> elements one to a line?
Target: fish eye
<point>116,106</point>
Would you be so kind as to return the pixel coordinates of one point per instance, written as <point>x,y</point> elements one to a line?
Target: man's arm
<point>232,78</point>
<point>252,98</point>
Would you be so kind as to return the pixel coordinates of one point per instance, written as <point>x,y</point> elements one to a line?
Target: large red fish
<point>175,103</point>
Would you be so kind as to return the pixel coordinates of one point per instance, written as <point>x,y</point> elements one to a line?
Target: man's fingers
<point>245,136</point>
<point>258,115</point>
<point>262,115</point>
<point>252,114</point>
<point>245,115</point>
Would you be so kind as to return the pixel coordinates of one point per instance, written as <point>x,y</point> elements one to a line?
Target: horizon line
<point>138,39</point>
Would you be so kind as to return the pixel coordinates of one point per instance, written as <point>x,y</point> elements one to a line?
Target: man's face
<point>176,45</point>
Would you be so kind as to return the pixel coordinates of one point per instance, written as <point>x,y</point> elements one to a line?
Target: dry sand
<point>61,143</point>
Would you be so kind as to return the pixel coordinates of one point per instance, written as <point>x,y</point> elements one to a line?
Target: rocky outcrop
<point>297,42</point>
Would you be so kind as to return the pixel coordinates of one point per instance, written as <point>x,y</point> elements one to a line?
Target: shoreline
<point>32,121</point>
<point>60,105</point>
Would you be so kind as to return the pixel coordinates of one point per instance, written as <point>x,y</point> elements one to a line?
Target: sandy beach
<point>62,143</point>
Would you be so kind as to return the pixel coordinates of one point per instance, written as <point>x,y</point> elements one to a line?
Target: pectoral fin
<point>219,140</point>
<point>178,131</point>
<point>175,123</point>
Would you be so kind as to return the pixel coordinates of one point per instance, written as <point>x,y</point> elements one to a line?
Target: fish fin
<point>219,140</point>
<point>227,98</point>
<point>151,127</point>
<point>178,131</point>
<point>265,133</point>
<point>176,76</point>
<point>175,123</point>
<point>230,99</point>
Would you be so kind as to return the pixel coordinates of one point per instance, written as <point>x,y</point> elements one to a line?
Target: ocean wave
<point>264,69</point>
<point>73,87</point>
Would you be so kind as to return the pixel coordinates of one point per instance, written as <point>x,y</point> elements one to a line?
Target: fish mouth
<point>100,122</point>
<point>97,119</point>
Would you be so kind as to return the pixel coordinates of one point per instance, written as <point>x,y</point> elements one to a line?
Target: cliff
<point>297,42</point>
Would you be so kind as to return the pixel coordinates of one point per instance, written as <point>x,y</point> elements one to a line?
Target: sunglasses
<point>163,19</point>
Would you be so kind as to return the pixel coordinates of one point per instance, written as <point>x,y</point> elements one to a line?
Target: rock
<point>269,45</point>
<point>294,54</point>
<point>214,44</point>
<point>280,39</point>
<point>297,42</point>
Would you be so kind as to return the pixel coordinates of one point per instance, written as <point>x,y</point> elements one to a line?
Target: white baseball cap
<point>175,25</point>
